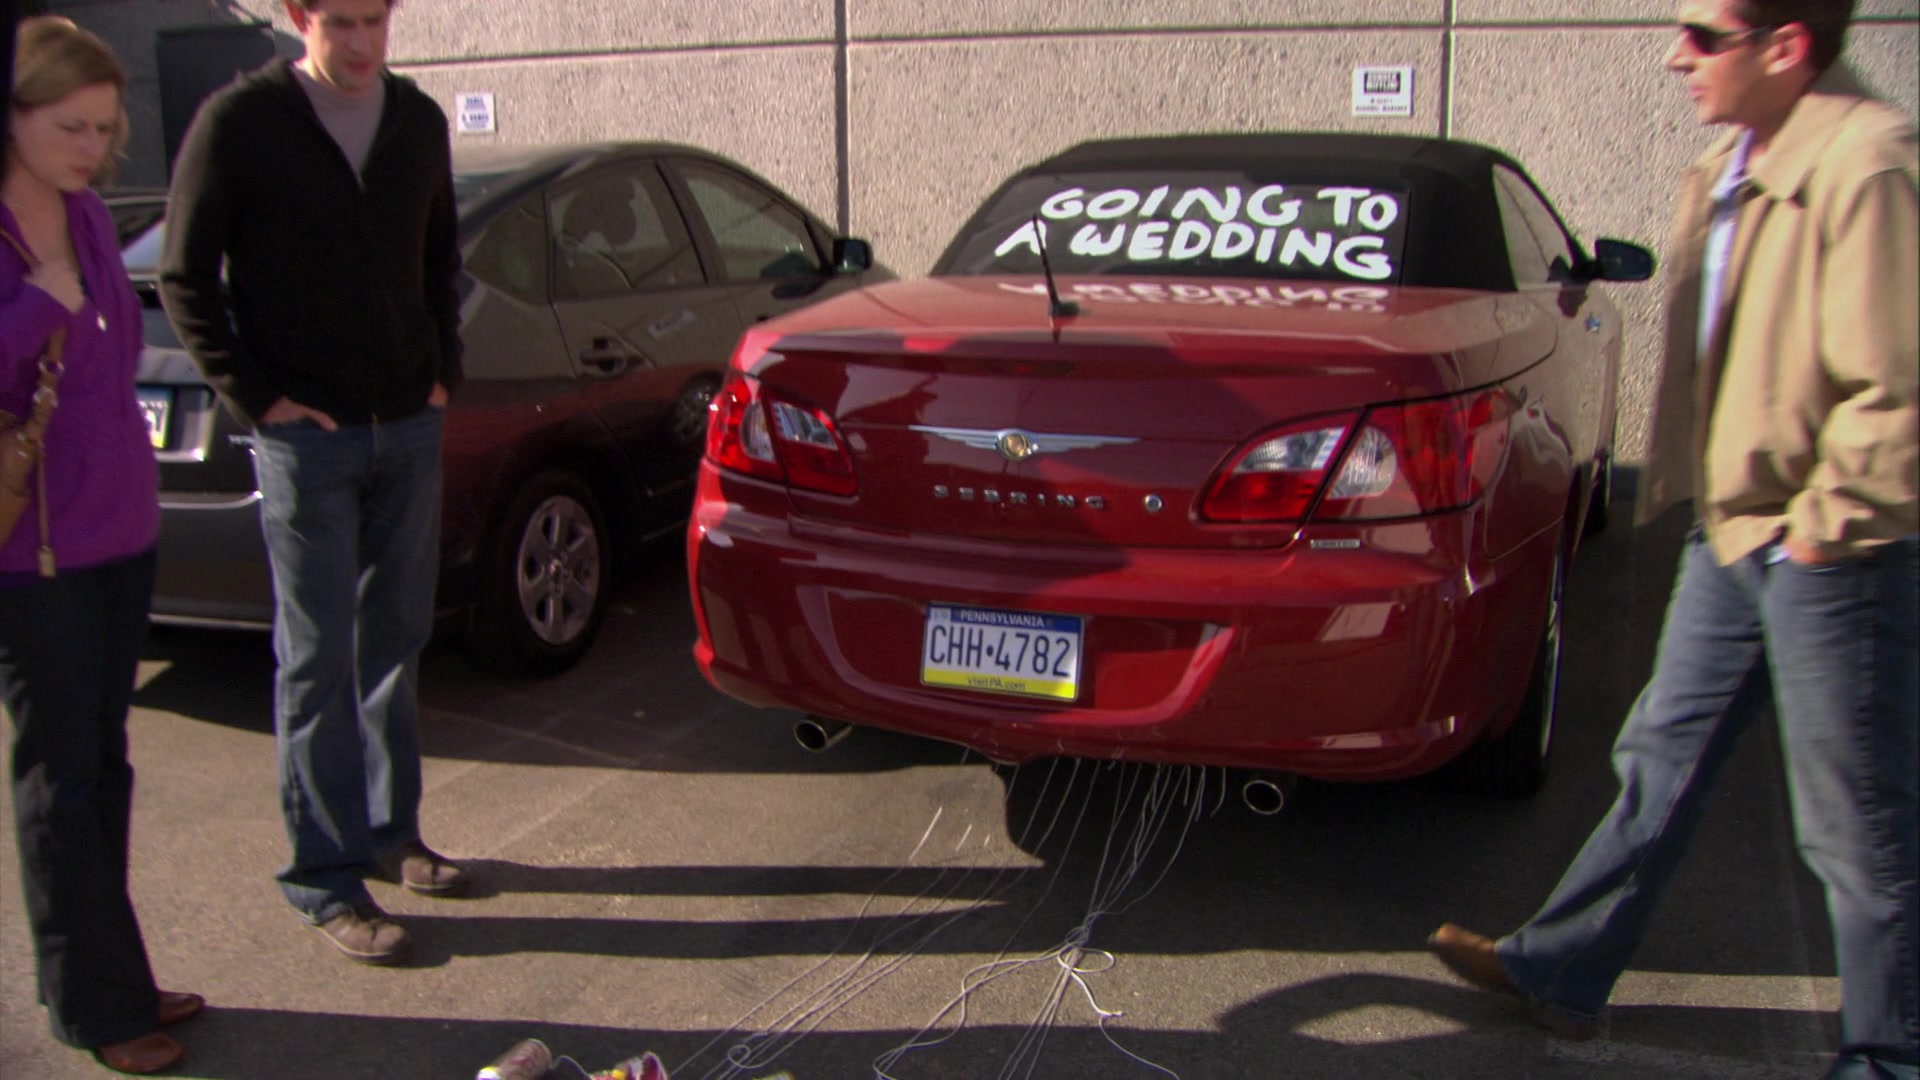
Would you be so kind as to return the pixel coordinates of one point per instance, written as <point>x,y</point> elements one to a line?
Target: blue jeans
<point>352,523</point>
<point>1833,649</point>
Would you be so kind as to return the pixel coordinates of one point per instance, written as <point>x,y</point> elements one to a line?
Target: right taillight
<point>1393,461</point>
<point>772,436</point>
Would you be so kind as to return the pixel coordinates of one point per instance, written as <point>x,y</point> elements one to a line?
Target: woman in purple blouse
<point>69,643</point>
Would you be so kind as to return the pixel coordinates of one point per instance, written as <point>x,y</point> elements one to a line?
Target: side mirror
<point>852,255</point>
<point>1617,260</point>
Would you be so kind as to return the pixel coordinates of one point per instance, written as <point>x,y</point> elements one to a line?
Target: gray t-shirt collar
<point>352,119</point>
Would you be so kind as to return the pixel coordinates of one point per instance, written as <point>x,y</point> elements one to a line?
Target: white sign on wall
<point>473,113</point>
<point>1383,91</point>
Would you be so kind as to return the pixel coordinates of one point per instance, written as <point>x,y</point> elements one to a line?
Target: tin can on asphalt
<point>528,1059</point>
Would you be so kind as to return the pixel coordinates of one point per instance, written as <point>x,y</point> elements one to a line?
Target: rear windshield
<point>468,186</point>
<point>1190,224</point>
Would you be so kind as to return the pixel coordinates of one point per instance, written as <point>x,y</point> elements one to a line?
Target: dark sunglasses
<point>1712,41</point>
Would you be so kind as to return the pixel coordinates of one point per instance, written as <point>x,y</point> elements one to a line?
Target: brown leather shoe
<point>423,870</point>
<point>176,1005</point>
<point>1472,957</point>
<point>364,933</point>
<point>146,1054</point>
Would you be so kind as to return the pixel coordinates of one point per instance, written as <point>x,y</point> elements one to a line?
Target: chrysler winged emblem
<point>1016,445</point>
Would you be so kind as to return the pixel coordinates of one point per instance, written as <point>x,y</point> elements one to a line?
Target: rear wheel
<point>543,585</point>
<point>1514,764</point>
<point>687,421</point>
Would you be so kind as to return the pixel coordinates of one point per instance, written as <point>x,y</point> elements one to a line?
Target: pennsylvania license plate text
<point>1002,652</point>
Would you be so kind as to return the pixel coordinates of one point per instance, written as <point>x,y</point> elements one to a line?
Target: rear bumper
<point>1365,664</point>
<point>212,568</point>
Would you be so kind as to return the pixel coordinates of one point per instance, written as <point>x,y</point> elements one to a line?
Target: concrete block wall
<point>896,117</point>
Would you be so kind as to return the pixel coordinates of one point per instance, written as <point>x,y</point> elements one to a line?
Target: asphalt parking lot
<point>661,868</point>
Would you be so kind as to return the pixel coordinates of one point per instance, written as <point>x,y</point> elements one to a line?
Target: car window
<point>511,252</point>
<point>133,217</point>
<point>759,235</point>
<point>618,231</point>
<point>1530,223</point>
<point>1185,222</point>
<point>1523,251</point>
<point>141,254</point>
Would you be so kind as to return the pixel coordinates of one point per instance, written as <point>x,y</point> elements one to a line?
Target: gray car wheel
<point>543,593</point>
<point>689,417</point>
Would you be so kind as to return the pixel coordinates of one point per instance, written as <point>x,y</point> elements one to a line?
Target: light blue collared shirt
<point>1726,217</point>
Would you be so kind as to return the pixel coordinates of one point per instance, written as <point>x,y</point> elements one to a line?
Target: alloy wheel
<point>557,570</point>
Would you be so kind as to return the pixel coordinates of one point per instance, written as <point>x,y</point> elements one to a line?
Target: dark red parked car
<point>1287,477</point>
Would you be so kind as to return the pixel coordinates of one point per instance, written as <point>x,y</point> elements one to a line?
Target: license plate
<point>156,404</point>
<point>1027,653</point>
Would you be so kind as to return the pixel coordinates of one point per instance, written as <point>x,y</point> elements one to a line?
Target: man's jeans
<point>352,521</point>
<point>1833,649</point>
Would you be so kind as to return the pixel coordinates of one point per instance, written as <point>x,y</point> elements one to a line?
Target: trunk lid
<point>967,412</point>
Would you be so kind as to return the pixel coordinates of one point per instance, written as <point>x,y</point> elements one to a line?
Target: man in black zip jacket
<point>325,187</point>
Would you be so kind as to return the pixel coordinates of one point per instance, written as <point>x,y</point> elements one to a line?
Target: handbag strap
<point>21,248</point>
<point>52,366</point>
<point>34,431</point>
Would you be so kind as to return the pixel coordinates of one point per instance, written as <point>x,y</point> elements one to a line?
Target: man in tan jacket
<point>1787,413</point>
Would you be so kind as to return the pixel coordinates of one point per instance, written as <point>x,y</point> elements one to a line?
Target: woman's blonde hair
<point>52,58</point>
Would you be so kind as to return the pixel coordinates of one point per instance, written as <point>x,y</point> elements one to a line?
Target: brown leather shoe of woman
<point>146,1054</point>
<point>178,1005</point>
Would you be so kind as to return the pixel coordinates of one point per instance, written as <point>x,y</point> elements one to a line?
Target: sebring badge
<point>1016,445</point>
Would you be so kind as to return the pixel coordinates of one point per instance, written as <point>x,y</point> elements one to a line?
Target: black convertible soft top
<point>1455,238</point>
<point>1463,161</point>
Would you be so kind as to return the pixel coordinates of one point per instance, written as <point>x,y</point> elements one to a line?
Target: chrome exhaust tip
<point>1266,795</point>
<point>817,734</point>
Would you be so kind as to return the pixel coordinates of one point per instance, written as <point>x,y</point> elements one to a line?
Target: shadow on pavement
<point>1272,1036</point>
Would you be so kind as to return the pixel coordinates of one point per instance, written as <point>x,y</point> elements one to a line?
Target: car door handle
<point>604,358</point>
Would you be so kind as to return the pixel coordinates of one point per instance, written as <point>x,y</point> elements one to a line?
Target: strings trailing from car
<point>1152,810</point>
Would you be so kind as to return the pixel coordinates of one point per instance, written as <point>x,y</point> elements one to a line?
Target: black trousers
<point>68,650</point>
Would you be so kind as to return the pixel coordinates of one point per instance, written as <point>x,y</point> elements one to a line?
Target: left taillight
<point>737,437</point>
<point>1394,461</point>
<point>775,436</point>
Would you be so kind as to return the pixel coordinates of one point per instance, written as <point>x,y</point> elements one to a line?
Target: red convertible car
<point>1264,451</point>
